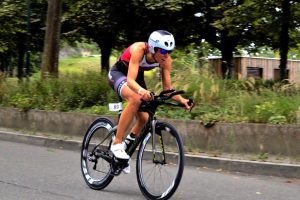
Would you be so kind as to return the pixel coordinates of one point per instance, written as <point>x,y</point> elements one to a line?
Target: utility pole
<point>52,37</point>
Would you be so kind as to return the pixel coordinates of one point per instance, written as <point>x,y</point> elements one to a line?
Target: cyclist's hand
<point>188,103</point>
<point>146,95</point>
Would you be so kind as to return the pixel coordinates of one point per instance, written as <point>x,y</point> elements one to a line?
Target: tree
<point>239,23</point>
<point>52,37</point>
<point>96,21</point>
<point>276,25</point>
<point>116,24</point>
<point>13,20</point>
<point>221,30</point>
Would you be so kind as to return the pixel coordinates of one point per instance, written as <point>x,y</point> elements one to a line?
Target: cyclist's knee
<point>134,100</point>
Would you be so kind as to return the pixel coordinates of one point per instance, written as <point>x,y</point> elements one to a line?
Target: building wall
<point>265,68</point>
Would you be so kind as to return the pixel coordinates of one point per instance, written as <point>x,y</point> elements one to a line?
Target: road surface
<point>30,172</point>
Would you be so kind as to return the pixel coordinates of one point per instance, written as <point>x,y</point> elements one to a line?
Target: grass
<point>79,64</point>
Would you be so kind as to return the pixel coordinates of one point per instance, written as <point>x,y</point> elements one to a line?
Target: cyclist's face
<point>161,54</point>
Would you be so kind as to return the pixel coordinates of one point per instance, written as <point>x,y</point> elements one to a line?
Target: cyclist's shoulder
<point>138,46</point>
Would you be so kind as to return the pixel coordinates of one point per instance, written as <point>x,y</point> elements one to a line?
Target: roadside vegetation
<point>81,87</point>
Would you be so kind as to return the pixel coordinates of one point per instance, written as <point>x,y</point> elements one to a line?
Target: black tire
<point>97,140</point>
<point>159,179</point>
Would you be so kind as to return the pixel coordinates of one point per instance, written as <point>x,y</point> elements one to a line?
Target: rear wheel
<point>160,162</point>
<point>95,154</point>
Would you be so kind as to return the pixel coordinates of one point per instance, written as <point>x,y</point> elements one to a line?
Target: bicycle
<point>160,156</point>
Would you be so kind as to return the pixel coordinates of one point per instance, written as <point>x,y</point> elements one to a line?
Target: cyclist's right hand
<point>146,95</point>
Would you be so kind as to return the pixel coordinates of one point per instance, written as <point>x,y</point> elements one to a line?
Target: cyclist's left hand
<point>188,103</point>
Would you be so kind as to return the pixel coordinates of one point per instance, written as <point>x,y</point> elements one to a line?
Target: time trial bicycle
<point>160,152</point>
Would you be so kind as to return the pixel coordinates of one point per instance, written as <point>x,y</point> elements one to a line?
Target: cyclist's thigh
<point>117,80</point>
<point>129,95</point>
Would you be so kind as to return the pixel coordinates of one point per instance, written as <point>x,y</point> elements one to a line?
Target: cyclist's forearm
<point>178,98</point>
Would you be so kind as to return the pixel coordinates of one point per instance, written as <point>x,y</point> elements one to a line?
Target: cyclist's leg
<point>118,82</point>
<point>133,104</point>
<point>142,118</point>
<point>128,114</point>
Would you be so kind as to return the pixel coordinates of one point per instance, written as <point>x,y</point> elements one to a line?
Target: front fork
<point>159,157</point>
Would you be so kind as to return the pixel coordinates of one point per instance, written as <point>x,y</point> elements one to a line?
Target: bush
<point>83,88</point>
<point>69,92</point>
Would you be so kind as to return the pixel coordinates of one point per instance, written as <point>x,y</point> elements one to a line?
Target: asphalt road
<point>38,173</point>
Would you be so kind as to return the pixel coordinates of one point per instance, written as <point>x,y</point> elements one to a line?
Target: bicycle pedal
<point>120,160</point>
<point>115,172</point>
<point>117,165</point>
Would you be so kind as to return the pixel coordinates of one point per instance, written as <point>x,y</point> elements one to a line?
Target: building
<point>265,68</point>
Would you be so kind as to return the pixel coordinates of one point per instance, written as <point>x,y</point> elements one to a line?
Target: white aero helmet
<point>161,39</point>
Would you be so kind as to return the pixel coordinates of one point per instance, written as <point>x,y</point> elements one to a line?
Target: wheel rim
<point>94,137</point>
<point>159,180</point>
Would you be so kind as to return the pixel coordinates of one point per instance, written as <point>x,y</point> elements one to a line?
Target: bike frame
<point>149,128</point>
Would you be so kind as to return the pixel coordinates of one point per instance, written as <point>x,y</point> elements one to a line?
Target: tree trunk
<point>284,38</point>
<point>105,54</point>
<point>51,44</point>
<point>226,48</point>
<point>21,54</point>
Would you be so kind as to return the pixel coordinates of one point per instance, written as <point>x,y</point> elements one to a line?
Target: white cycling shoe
<point>118,151</point>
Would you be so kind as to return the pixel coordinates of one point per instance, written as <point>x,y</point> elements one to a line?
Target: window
<point>255,72</point>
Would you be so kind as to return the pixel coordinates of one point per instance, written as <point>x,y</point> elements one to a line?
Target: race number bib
<point>114,107</point>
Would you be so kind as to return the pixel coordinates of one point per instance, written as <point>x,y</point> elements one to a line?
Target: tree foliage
<point>239,23</point>
<point>13,20</point>
<point>114,24</point>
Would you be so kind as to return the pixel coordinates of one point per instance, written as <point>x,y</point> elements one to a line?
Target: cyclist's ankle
<point>117,141</point>
<point>129,140</point>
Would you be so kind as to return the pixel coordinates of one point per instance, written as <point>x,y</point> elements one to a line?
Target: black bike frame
<point>149,128</point>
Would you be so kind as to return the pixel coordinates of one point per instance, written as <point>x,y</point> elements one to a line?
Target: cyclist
<point>126,77</point>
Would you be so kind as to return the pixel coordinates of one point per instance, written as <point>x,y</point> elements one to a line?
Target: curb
<point>244,166</point>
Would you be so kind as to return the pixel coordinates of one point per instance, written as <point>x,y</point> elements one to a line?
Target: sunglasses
<point>163,51</point>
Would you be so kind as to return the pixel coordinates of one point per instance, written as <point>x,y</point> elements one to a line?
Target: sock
<point>129,140</point>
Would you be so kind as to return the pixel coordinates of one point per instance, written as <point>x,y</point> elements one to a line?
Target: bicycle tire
<point>97,141</point>
<point>169,169</point>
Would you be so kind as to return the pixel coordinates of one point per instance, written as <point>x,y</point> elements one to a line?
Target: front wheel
<point>160,162</point>
<point>95,154</point>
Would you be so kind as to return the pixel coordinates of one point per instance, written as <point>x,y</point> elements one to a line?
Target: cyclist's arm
<point>167,82</point>
<point>137,53</point>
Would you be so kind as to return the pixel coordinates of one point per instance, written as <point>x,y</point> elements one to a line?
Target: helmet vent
<point>167,44</point>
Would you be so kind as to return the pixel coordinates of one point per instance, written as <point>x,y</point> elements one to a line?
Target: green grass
<point>79,64</point>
